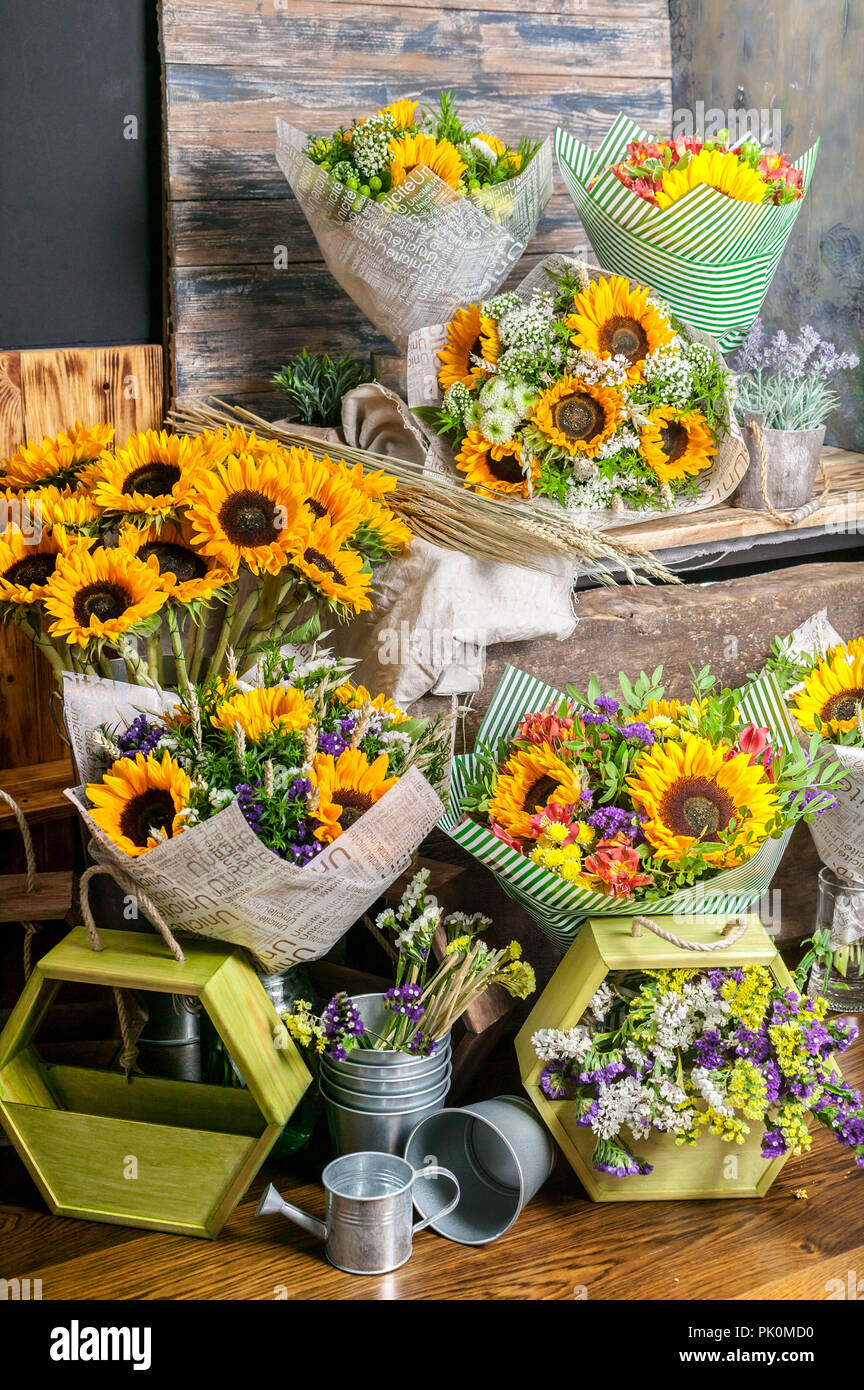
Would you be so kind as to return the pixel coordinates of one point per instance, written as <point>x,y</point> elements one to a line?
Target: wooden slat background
<point>232,66</point>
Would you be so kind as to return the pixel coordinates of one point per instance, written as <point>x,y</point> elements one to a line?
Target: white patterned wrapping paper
<point>417,257</point>
<point>218,880</point>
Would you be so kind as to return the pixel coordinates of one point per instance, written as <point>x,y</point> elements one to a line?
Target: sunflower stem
<point>224,634</point>
<point>137,667</point>
<point>154,655</point>
<point>183,684</point>
<point>242,617</point>
<point>51,655</point>
<point>197,653</point>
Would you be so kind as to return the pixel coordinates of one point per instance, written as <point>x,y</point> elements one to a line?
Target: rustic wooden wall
<point>232,66</point>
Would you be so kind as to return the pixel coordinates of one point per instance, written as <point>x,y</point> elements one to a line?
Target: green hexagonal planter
<point>165,1155</point>
<point>606,944</point>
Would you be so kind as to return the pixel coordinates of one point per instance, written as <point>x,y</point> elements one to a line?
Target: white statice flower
<point>623,438</point>
<point>601,1001</point>
<point>424,925</point>
<point>499,306</point>
<point>571,1043</point>
<point>675,1025</point>
<point>705,1084</point>
<point>624,1102</point>
<point>220,797</point>
<point>635,1056</point>
<point>395,738</point>
<point>598,371</point>
<point>463,920</point>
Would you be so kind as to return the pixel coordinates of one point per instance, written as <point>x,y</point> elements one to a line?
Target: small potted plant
<point>783,403</point>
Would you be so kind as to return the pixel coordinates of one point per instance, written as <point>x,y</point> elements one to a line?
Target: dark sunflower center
<point>844,705</point>
<point>249,518</point>
<point>33,569</point>
<point>506,469</point>
<point>316,508</point>
<point>103,601</point>
<point>673,439</point>
<point>696,806</point>
<point>476,348</point>
<point>152,479</point>
<point>175,559</point>
<point>624,338</point>
<point>539,794</point>
<point>579,416</point>
<point>314,557</point>
<point>146,814</point>
<point>354,804</point>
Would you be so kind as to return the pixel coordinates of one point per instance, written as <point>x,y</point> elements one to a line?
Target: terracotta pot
<point>793,461</point>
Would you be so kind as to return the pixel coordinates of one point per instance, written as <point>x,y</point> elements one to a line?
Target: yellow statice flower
<point>727,1127</point>
<point>748,998</point>
<point>792,1124</point>
<point>459,943</point>
<point>747,1089</point>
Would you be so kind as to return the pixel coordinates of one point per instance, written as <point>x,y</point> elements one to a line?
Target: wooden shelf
<point>844,511</point>
<point>38,789</point>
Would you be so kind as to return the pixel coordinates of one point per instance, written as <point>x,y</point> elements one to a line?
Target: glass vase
<point>838,974</point>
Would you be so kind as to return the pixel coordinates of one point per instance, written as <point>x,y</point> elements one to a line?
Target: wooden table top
<point>782,1246</point>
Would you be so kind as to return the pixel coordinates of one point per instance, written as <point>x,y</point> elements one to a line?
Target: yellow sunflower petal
<point>347,787</point>
<point>677,444</point>
<point>829,700</point>
<point>576,416</point>
<point>153,474</point>
<point>99,594</point>
<point>609,319</point>
<point>249,512</point>
<point>470,333</point>
<point>494,467</point>
<point>139,800</point>
<point>264,710</point>
<point>409,152</point>
<point>529,780</point>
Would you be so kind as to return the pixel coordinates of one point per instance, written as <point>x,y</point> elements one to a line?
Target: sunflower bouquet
<point>706,222</point>
<point>270,815</point>
<point>584,390</point>
<point>414,211</point>
<point>593,804</point>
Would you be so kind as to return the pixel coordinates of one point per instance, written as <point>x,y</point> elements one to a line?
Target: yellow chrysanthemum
<point>58,461</point>
<point>576,416</point>
<point>27,563</point>
<point>327,493</point>
<point>264,710</point>
<point>336,571</point>
<point>531,779</point>
<point>692,790</point>
<point>185,570</point>
<point>357,696</point>
<point>403,112</point>
<point>248,512</point>
<point>409,152</point>
<point>347,787</point>
<point>140,800</point>
<point>677,444</point>
<point>153,474</point>
<point>494,467</point>
<point>832,693</point>
<point>609,319</point>
<point>98,595</point>
<point>723,171</point>
<point>470,333</point>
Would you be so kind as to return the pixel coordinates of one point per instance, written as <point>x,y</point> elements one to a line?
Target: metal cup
<point>380,1105</point>
<point>501,1153</point>
<point>368,1227</point>
<point>356,1131</point>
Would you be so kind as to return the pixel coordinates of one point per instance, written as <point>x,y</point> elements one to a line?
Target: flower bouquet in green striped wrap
<point>589,804</point>
<point>710,251</point>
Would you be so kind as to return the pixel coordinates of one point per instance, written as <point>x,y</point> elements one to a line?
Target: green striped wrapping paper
<point>560,907</point>
<point>711,258</point>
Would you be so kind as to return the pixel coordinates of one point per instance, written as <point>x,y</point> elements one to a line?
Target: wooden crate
<point>160,1154</point>
<point>606,944</point>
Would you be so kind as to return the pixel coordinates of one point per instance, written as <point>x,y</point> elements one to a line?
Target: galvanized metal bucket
<point>353,1131</point>
<point>382,1105</point>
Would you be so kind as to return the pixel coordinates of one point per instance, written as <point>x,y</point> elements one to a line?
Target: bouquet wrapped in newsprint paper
<point>585,804</point>
<point>414,213</point>
<point>703,221</point>
<point>269,815</point>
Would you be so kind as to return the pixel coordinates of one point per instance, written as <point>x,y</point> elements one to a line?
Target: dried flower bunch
<point>587,393</point>
<point>786,381</point>
<point>425,1002</point>
<point>690,1052</point>
<point>639,796</point>
<point>662,171</point>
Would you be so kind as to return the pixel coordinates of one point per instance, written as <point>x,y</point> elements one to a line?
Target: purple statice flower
<point>718,977</point>
<point>773,1080</point>
<point>609,1157</point>
<point>708,1050</point>
<point>603,1076</point>
<point>753,1044</point>
<point>607,705</point>
<point>140,737</point>
<point>773,1144</point>
<point>847,1031</point>
<point>817,1040</point>
<point>332,743</point>
<point>586,797</point>
<point>584,1119</point>
<point>347,727</point>
<point>556,1081</point>
<point>249,801</point>
<point>609,820</point>
<point>341,1024</point>
<point>423,1045</point>
<point>639,731</point>
<point>405,1000</point>
<point>588,717</point>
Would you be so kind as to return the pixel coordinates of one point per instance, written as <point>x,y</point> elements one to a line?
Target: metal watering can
<point>368,1227</point>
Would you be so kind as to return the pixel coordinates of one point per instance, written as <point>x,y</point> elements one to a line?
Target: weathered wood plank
<point>122,385</point>
<point>422,43</point>
<point>11,405</point>
<point>38,789</point>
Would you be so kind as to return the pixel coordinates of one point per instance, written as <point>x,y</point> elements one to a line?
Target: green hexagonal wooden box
<point>162,1154</point>
<point>607,944</point>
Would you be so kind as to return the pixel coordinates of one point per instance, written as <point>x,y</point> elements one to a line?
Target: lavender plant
<point>787,381</point>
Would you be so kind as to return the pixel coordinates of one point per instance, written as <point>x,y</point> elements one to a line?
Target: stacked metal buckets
<point>375,1098</point>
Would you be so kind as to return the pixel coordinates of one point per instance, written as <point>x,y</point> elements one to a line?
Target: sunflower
<point>531,779</point>
<point>832,693</point>
<point>409,152</point>
<point>100,594</point>
<point>373,484</point>
<point>264,710</point>
<point>402,111</point>
<point>498,148</point>
<point>336,571</point>
<point>576,416</point>
<point>347,787</point>
<point>327,494</point>
<point>218,445</point>
<point>494,467</point>
<point>56,506</point>
<point>381,531</point>
<point>694,790</point>
<point>189,574</point>
<point>26,565</point>
<point>248,512</point>
<point>677,444</point>
<point>153,474</point>
<point>139,801</point>
<point>723,171</point>
<point>470,333</point>
<point>356,696</point>
<point>57,461</point>
<point>611,320</point>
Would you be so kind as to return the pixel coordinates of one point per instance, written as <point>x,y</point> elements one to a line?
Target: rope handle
<point>149,907</point>
<point>732,931</point>
<point>801,514</point>
<point>29,852</point>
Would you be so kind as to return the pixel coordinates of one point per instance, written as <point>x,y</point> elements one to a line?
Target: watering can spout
<point>272,1203</point>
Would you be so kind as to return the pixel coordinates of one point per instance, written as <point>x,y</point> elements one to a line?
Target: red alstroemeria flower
<point>616,864</point>
<point>505,836</point>
<point>756,743</point>
<point>546,726</point>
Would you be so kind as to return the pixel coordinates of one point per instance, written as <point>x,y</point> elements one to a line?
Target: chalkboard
<point>80,183</point>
